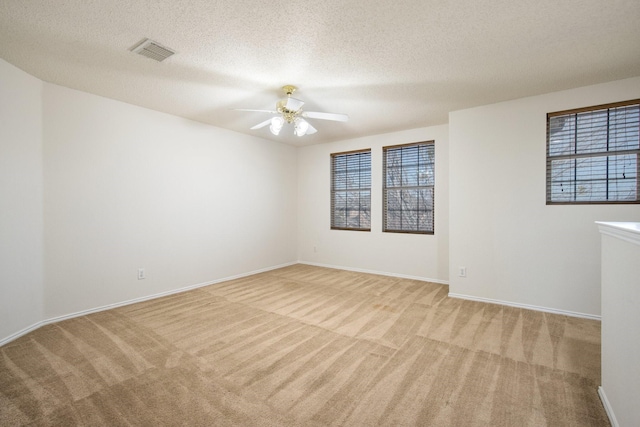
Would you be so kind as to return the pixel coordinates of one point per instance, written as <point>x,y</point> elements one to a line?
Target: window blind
<point>592,154</point>
<point>409,184</point>
<point>351,190</point>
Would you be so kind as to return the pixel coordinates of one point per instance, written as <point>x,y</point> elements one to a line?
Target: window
<point>351,191</point>
<point>592,155</point>
<point>409,180</point>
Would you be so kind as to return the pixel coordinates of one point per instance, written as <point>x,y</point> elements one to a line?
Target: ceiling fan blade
<point>311,130</point>
<point>261,125</point>
<point>293,104</point>
<point>257,111</point>
<point>325,116</point>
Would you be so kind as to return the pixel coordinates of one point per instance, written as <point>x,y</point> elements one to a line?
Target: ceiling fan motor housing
<point>288,115</point>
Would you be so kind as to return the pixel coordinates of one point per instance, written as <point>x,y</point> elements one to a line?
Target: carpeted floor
<point>306,346</point>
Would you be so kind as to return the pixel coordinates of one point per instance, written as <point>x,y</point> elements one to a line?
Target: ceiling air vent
<point>152,50</point>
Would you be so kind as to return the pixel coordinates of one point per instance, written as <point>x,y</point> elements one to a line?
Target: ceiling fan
<point>289,110</point>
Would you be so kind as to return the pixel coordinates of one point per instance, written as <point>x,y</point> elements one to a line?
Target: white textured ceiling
<point>389,65</point>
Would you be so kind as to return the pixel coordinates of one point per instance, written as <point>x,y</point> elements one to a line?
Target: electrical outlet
<point>141,274</point>
<point>315,249</point>
<point>462,271</point>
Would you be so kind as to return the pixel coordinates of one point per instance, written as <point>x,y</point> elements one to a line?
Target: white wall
<point>412,255</point>
<point>21,229</point>
<point>126,187</point>
<point>515,247</point>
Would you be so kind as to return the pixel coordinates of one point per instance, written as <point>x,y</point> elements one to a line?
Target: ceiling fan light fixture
<point>276,125</point>
<point>301,127</point>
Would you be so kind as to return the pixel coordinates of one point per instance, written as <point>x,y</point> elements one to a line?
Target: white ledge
<point>628,231</point>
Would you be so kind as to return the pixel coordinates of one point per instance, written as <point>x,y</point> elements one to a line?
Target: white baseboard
<point>527,306</point>
<point>21,332</point>
<point>608,408</point>
<point>381,273</point>
<point>41,323</point>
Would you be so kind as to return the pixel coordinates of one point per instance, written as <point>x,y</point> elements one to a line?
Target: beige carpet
<point>307,346</point>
